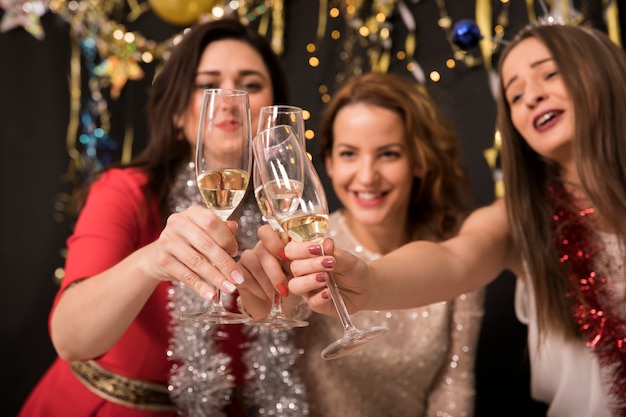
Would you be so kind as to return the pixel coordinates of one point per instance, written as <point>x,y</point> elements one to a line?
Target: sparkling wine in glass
<point>297,199</point>
<point>223,167</point>
<point>275,319</point>
<point>271,116</point>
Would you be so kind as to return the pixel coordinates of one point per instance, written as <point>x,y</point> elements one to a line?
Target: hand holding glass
<point>223,166</point>
<point>297,200</point>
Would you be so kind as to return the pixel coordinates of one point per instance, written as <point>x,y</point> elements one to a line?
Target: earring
<point>180,135</point>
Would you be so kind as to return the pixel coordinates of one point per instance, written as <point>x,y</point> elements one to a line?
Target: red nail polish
<point>325,295</point>
<point>321,277</point>
<point>283,290</point>
<point>328,262</point>
<point>315,250</point>
<point>281,255</point>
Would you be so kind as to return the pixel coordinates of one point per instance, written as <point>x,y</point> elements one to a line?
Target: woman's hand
<point>196,246</point>
<point>311,271</point>
<point>266,270</point>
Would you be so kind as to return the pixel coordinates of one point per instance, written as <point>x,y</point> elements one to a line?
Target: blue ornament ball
<point>466,34</point>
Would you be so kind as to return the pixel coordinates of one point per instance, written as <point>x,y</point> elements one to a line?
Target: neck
<point>381,238</point>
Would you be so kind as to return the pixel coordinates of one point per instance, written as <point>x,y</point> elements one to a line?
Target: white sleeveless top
<point>567,375</point>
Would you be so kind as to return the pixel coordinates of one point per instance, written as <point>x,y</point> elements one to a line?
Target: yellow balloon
<point>181,12</point>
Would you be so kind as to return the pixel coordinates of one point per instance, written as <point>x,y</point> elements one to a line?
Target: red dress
<point>115,222</point>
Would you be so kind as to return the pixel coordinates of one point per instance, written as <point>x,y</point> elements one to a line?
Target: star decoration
<point>25,14</point>
<point>118,72</point>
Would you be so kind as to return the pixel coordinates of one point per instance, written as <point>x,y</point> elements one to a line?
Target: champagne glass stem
<point>340,305</point>
<point>276,310</point>
<point>218,305</point>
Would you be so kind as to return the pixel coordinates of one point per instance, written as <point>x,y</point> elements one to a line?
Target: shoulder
<point>488,221</point>
<point>130,182</point>
<point>118,191</point>
<point>129,177</point>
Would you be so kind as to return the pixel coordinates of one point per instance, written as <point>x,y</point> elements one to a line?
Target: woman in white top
<point>560,227</point>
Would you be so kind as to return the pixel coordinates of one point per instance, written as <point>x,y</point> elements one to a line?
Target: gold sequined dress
<point>424,366</point>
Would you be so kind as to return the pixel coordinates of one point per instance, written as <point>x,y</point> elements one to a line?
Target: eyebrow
<point>241,73</point>
<point>533,65</point>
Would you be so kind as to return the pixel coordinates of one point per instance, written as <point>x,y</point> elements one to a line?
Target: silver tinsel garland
<point>201,383</point>
<point>273,382</point>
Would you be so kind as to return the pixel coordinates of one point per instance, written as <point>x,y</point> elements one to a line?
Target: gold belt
<point>129,392</point>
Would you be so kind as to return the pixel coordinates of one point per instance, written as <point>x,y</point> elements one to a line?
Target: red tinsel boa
<point>603,331</point>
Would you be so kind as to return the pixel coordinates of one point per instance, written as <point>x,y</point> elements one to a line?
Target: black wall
<point>34,112</point>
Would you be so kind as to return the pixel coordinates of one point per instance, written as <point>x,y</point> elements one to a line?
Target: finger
<point>272,241</point>
<point>185,237</point>
<point>219,231</point>
<point>305,250</point>
<point>173,269</point>
<point>307,285</point>
<point>313,289</point>
<point>273,268</point>
<point>256,280</point>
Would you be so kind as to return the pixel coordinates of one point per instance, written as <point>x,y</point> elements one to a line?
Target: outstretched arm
<point>416,274</point>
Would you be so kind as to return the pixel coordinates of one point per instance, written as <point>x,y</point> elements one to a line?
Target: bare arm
<point>416,274</point>
<point>93,314</point>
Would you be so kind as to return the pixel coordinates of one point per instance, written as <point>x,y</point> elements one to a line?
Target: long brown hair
<point>592,68</point>
<point>441,199</point>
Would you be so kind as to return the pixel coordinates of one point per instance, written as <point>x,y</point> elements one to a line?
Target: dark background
<point>34,114</point>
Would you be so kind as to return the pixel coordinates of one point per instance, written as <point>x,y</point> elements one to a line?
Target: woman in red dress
<point>111,322</point>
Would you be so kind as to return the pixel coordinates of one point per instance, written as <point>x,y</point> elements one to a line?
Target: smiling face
<point>229,64</point>
<point>540,105</point>
<point>370,165</point>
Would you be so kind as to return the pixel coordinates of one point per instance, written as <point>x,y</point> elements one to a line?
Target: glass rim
<point>225,92</point>
<point>283,107</point>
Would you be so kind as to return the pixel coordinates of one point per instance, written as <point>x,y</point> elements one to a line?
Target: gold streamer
<point>278,26</point>
<point>136,9</point>
<point>264,23</point>
<point>530,9</point>
<point>383,61</point>
<point>322,20</point>
<point>127,146</point>
<point>484,22</point>
<point>75,94</point>
<point>409,45</point>
<point>612,22</point>
<point>491,155</point>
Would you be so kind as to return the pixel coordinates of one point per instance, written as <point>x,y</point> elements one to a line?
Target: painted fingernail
<point>281,255</point>
<point>283,290</point>
<point>208,294</point>
<point>321,277</point>
<point>237,277</point>
<point>325,295</point>
<point>230,287</point>
<point>315,250</point>
<point>328,262</point>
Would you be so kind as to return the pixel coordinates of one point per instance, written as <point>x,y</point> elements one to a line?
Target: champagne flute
<point>282,114</point>
<point>297,199</point>
<point>223,166</point>
<point>275,319</point>
<point>271,116</point>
